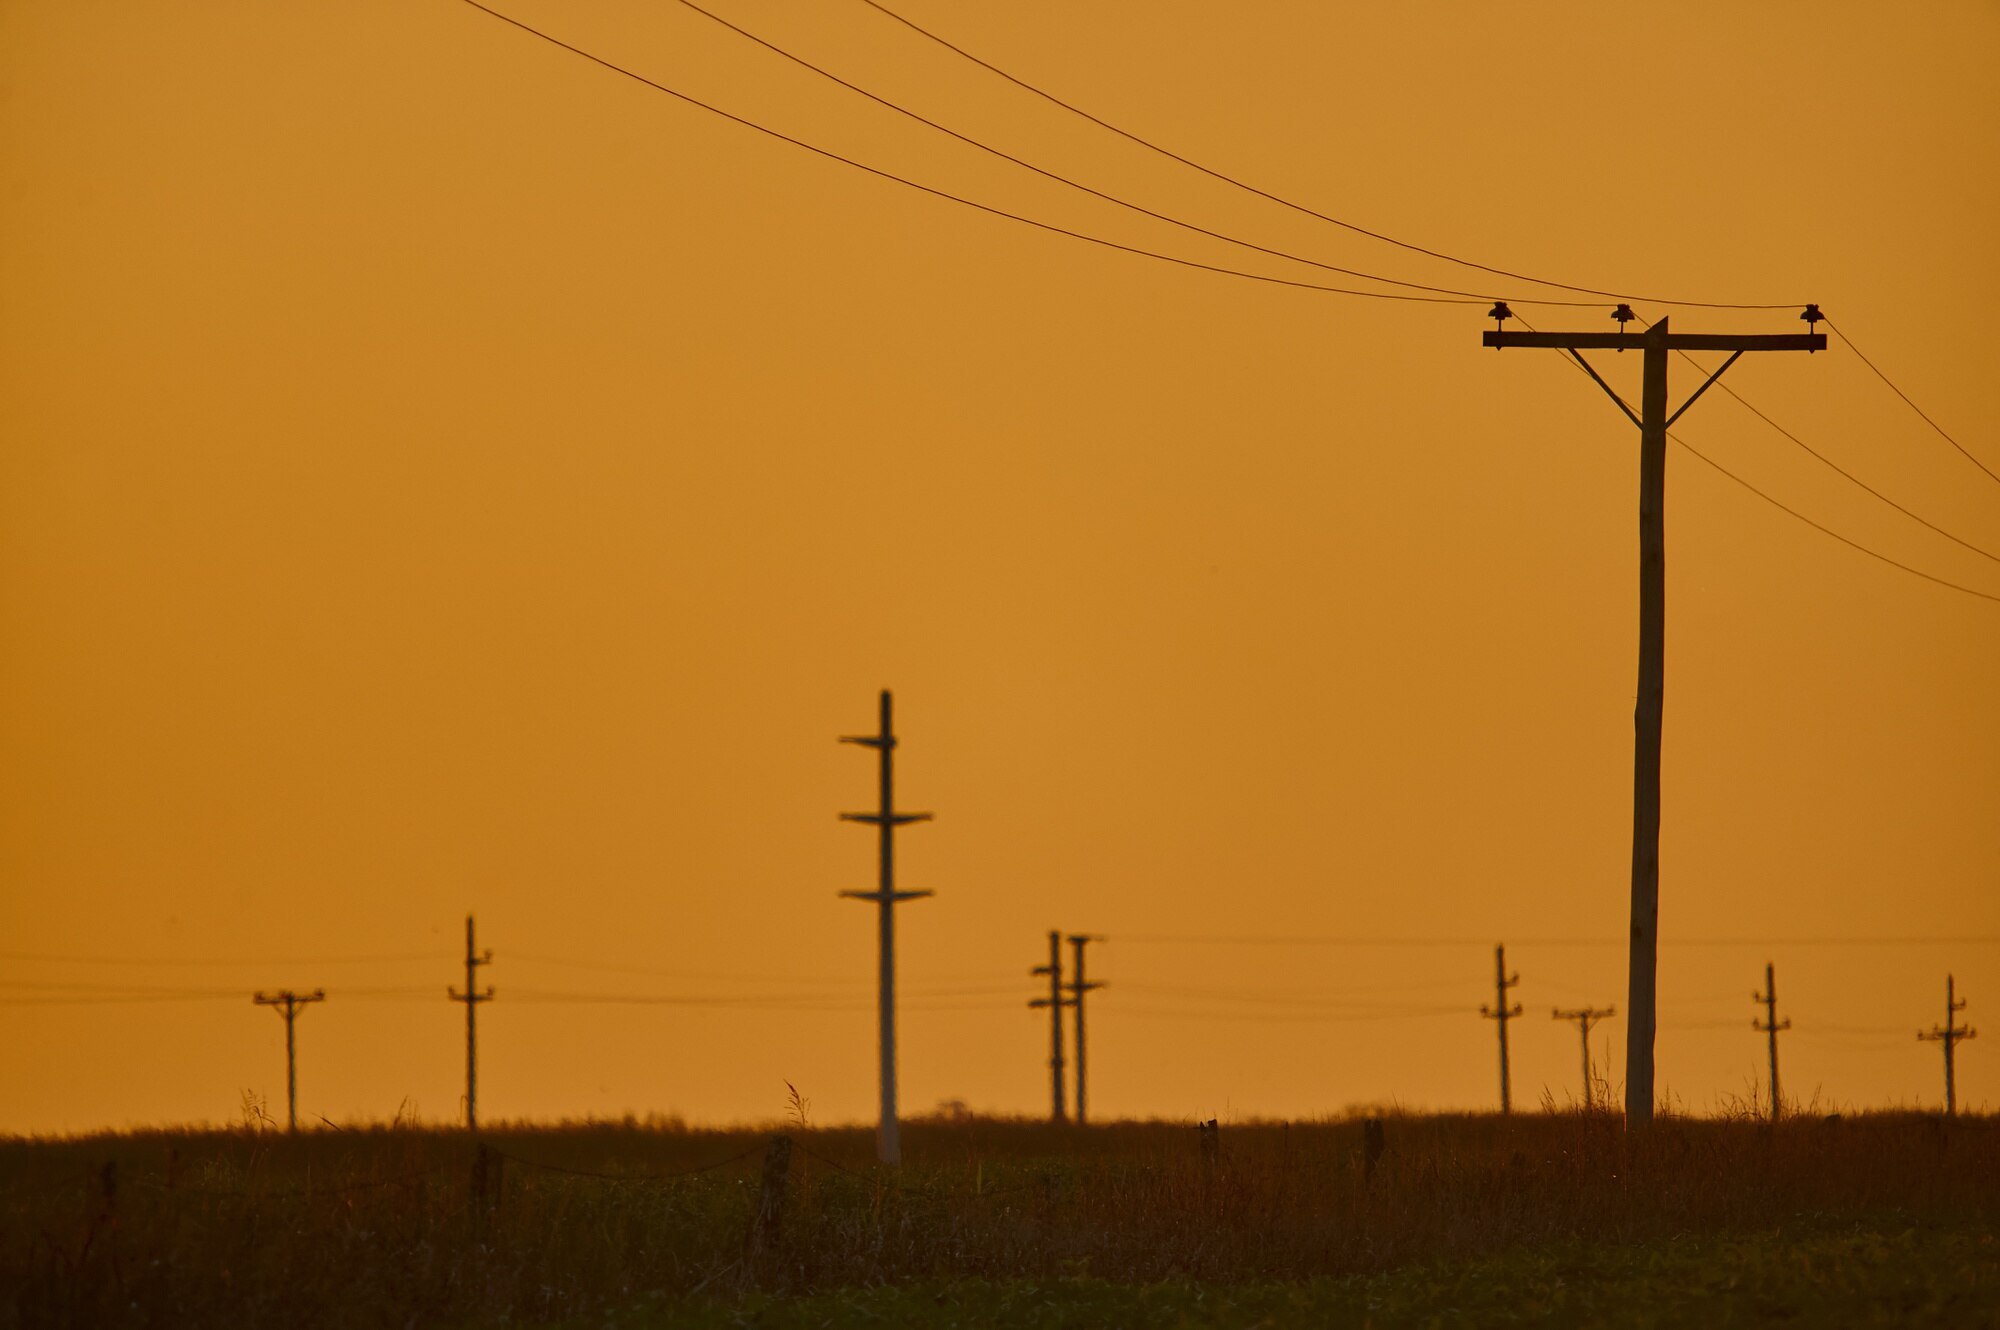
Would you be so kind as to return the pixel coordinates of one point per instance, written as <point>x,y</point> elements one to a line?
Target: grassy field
<point>1882,1220</point>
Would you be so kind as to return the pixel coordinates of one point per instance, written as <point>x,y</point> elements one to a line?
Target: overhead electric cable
<point>219,962</point>
<point>1279,199</point>
<point>959,199</point>
<point>1843,471</point>
<point>1323,940</point>
<point>1817,526</point>
<point>1848,342</point>
<point>1828,462</point>
<point>1101,194</point>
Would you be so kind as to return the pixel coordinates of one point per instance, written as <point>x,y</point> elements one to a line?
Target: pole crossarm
<point>890,896</point>
<point>890,819</point>
<point>1602,341</point>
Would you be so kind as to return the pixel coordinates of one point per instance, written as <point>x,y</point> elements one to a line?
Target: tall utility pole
<point>1502,1013</point>
<point>1077,988</point>
<point>289,1005</point>
<point>888,1144</point>
<point>1055,1002</point>
<point>1770,1025</point>
<point>1585,1017</point>
<point>472,997</point>
<point>1653,421</point>
<point>1949,1034</point>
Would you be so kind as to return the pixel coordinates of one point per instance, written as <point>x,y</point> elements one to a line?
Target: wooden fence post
<point>1374,1140</point>
<point>770,1213</point>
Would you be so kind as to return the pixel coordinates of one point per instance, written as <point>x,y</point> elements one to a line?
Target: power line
<point>35,958</point>
<point>1842,471</point>
<point>1911,403</point>
<point>1288,1018</point>
<point>1098,193</point>
<point>1826,530</point>
<point>960,199</point>
<point>1236,272</point>
<point>1322,940</point>
<point>1152,146</point>
<point>1817,526</point>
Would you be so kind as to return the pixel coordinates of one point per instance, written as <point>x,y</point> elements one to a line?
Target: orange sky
<point>440,474</point>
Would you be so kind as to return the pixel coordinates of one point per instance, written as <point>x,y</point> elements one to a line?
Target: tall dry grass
<point>397,1226</point>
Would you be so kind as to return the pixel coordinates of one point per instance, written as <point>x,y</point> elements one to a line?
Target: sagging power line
<point>1152,146</point>
<point>1223,269</point>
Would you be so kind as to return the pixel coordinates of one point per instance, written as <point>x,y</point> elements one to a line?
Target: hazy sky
<point>438,473</point>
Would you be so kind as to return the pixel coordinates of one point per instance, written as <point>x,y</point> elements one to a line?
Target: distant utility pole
<point>1949,1035</point>
<point>1077,988</point>
<point>1055,1002</point>
<point>1653,422</point>
<point>1502,1013</point>
<point>1770,1025</point>
<point>472,997</point>
<point>1585,1017</point>
<point>288,1004</point>
<point>888,1144</point>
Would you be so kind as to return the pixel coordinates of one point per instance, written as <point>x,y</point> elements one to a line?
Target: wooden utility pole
<point>1657,342</point>
<point>1770,1025</point>
<point>888,1143</point>
<point>472,997</point>
<point>1055,1002</point>
<point>1077,988</point>
<point>289,1005</point>
<point>1502,1013</point>
<point>1949,1034</point>
<point>1585,1017</point>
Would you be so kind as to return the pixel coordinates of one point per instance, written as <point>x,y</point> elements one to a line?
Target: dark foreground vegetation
<point>1870,1220</point>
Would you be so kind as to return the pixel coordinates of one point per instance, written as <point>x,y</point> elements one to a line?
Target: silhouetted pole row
<point>1502,1013</point>
<point>888,1146</point>
<point>1055,1002</point>
<point>289,1005</point>
<point>1949,1035</point>
<point>1585,1017</point>
<point>1770,1025</point>
<point>1653,422</point>
<point>472,997</point>
<point>1077,989</point>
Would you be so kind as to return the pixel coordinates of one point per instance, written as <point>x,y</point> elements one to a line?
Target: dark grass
<point>397,1226</point>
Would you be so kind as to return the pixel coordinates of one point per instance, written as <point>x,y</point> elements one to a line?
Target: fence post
<point>1374,1140</point>
<point>770,1215</point>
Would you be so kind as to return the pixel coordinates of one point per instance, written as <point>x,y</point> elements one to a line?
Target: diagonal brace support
<point>1696,396</point>
<point>1630,414</point>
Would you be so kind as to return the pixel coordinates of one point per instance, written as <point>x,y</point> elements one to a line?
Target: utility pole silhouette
<point>289,1005</point>
<point>1502,1013</point>
<point>1653,420</point>
<point>1585,1017</point>
<point>1055,1002</point>
<point>1949,1035</point>
<point>888,1143</point>
<point>1770,1025</point>
<point>1077,988</point>
<point>472,997</point>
